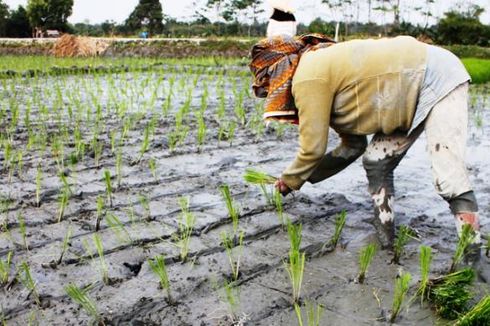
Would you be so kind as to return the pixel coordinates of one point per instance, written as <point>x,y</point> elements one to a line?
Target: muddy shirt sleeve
<point>313,98</point>
<point>349,150</point>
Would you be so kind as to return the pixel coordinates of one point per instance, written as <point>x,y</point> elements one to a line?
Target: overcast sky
<point>97,11</point>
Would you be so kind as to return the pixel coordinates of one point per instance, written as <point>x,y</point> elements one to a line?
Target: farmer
<point>390,88</point>
<point>282,21</point>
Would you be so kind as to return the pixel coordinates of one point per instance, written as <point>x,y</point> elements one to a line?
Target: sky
<point>97,11</point>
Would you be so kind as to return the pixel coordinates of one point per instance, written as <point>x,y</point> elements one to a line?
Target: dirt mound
<point>75,46</point>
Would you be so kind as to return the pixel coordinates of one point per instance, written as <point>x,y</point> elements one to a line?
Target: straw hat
<point>284,5</point>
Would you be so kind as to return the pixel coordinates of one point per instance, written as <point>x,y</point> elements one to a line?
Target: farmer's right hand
<point>282,187</point>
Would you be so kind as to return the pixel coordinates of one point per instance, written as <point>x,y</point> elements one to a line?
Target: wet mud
<point>133,296</point>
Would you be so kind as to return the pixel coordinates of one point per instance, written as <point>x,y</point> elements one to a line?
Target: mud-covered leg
<point>382,156</point>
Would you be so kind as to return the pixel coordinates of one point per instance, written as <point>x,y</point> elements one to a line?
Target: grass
<point>465,239</point>
<point>340,220</point>
<point>479,69</point>
<point>402,238</point>
<point>366,255</point>
<point>478,315</point>
<point>80,297</point>
<point>159,268</point>
<point>401,288</point>
<point>296,263</point>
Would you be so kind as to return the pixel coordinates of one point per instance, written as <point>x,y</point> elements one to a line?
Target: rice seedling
<point>99,212</point>
<point>63,198</point>
<point>314,313</point>
<point>402,238</point>
<point>22,229</point>
<point>146,141</point>
<point>465,239</point>
<point>186,224</point>
<point>262,179</point>
<point>80,297</point>
<point>64,245</point>
<point>102,263</point>
<point>201,129</point>
<point>425,261</point>
<point>232,299</point>
<point>26,279</point>
<point>478,315</point>
<point>5,268</point>
<point>119,168</point>
<point>366,255</point>
<point>108,186</point>
<point>296,263</point>
<point>118,228</point>
<point>64,182</point>
<point>234,257</point>
<point>402,282</point>
<point>159,268</point>
<point>153,167</point>
<point>340,220</point>
<point>233,210</point>
<point>449,294</point>
<point>145,204</point>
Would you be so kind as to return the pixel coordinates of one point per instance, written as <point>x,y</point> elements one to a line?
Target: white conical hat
<point>284,5</point>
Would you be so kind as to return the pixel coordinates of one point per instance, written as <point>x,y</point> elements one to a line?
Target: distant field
<point>479,69</point>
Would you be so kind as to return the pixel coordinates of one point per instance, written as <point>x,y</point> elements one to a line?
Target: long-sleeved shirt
<point>359,88</point>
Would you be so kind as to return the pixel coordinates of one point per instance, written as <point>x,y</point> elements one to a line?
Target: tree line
<point>459,25</point>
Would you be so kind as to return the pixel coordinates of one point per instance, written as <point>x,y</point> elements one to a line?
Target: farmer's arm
<point>313,98</point>
<point>349,150</point>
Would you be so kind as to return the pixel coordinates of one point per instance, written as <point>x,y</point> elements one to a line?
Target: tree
<point>147,14</point>
<point>4,16</point>
<point>233,10</point>
<point>18,24</point>
<point>49,14</point>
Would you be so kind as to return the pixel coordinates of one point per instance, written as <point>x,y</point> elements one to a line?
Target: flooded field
<point>101,173</point>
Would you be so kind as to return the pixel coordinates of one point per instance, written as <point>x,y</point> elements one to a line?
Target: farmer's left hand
<point>282,187</point>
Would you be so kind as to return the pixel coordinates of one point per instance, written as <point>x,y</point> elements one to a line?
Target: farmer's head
<point>274,61</point>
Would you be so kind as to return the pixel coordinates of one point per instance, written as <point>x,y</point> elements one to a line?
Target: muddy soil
<point>133,295</point>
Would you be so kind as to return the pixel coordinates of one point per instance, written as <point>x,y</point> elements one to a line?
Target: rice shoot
<point>366,255</point>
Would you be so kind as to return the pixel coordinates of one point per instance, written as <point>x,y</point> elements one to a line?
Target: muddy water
<point>133,296</point>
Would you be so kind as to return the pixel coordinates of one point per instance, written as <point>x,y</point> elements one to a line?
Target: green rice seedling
<point>232,299</point>
<point>402,238</point>
<point>449,294</point>
<point>64,245</point>
<point>146,141</point>
<point>26,279</point>
<point>279,206</point>
<point>5,268</point>
<point>233,210</point>
<point>239,108</point>
<point>100,251</point>
<point>262,179</point>
<point>314,313</point>
<point>159,268</point>
<point>80,297</point>
<point>145,203</point>
<point>108,186</point>
<point>201,129</point>
<point>64,182</point>
<point>99,212</point>
<point>112,136</point>
<point>366,255</point>
<point>118,228</point>
<point>186,224</point>
<point>340,220</point>
<point>466,238</point>
<point>153,167</point>
<point>478,315</point>
<point>296,264</point>
<point>22,229</point>
<point>230,132</point>
<point>119,167</point>
<point>425,261</point>
<point>63,198</point>
<point>234,257</point>
<point>401,288</point>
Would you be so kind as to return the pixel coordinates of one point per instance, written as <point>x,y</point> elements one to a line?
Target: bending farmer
<point>390,88</point>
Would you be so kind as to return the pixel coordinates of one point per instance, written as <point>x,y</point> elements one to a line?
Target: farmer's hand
<point>282,187</point>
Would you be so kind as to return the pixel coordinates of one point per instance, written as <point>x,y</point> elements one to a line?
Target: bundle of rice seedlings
<point>81,298</point>
<point>401,288</point>
<point>258,177</point>
<point>403,237</point>
<point>365,257</point>
<point>340,220</point>
<point>478,315</point>
<point>449,294</point>
<point>466,238</point>
<point>425,261</point>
